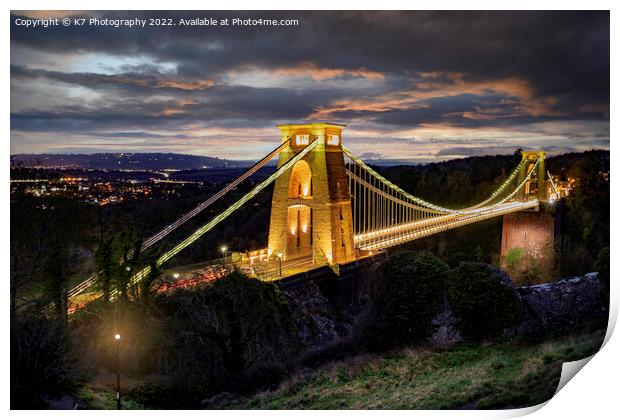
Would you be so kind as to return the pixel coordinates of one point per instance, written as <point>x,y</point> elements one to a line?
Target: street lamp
<point>175,275</point>
<point>223,249</point>
<point>117,339</point>
<point>280,259</point>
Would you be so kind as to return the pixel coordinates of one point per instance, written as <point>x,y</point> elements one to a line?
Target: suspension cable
<point>219,218</point>
<point>501,187</point>
<point>152,240</point>
<point>427,205</point>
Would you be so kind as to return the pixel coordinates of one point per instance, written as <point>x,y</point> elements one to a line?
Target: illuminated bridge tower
<point>529,236</point>
<point>537,187</point>
<point>311,204</point>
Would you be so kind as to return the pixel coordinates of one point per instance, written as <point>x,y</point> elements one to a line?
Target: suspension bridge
<point>329,207</point>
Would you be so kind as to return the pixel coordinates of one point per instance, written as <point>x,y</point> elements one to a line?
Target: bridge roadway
<point>385,238</point>
<point>370,241</point>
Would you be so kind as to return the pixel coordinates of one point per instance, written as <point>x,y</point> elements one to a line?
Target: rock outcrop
<point>322,321</point>
<point>562,305</point>
<point>445,331</point>
<point>547,308</point>
<point>314,315</point>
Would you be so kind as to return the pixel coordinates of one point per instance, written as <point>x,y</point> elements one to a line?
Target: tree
<point>147,281</point>
<point>483,298</point>
<point>42,361</point>
<point>128,247</point>
<point>409,295</point>
<point>106,266</point>
<point>518,152</point>
<point>26,250</point>
<point>55,276</point>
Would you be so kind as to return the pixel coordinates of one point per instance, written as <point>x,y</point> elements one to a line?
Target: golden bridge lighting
<point>369,213</point>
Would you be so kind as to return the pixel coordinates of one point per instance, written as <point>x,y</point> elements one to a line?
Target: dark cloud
<point>385,70</point>
<point>140,82</point>
<point>559,51</point>
<point>371,155</point>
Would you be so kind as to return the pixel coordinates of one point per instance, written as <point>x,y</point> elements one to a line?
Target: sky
<point>426,86</point>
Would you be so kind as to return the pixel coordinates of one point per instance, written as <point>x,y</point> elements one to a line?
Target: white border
<point>593,394</point>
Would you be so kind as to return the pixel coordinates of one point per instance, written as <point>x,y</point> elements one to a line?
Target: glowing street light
<point>117,339</point>
<point>175,275</point>
<point>223,249</point>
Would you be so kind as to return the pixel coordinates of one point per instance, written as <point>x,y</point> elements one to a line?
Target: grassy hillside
<point>502,375</point>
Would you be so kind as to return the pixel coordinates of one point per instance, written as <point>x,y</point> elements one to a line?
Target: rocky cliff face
<point>559,306</point>
<point>547,308</point>
<point>562,305</point>
<point>316,318</point>
<point>445,328</point>
<point>330,311</point>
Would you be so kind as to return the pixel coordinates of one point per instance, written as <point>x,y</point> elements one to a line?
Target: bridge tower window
<point>302,139</point>
<point>299,237</point>
<point>333,140</point>
<point>300,184</point>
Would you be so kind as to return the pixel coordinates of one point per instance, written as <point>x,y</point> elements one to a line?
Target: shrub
<point>408,296</point>
<point>483,298</point>
<point>42,363</point>
<point>233,334</point>
<point>514,256</point>
<point>219,332</point>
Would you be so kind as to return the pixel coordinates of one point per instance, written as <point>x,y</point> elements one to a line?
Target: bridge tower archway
<point>311,204</point>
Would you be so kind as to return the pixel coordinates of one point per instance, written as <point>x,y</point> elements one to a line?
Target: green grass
<point>501,375</point>
<point>99,397</point>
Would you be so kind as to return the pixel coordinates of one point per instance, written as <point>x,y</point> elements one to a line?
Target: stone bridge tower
<point>537,187</point>
<point>528,237</point>
<point>311,204</point>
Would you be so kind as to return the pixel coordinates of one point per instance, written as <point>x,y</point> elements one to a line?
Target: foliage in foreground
<point>414,288</point>
<point>504,375</point>
<point>235,334</point>
<point>483,298</point>
<point>42,361</point>
<point>409,294</point>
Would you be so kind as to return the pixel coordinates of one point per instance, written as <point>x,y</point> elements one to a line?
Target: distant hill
<point>124,161</point>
